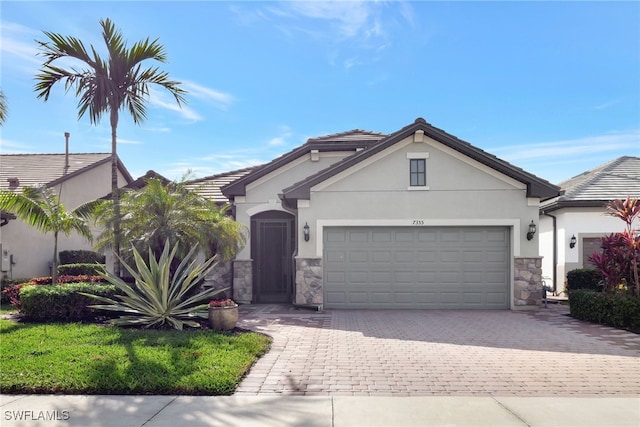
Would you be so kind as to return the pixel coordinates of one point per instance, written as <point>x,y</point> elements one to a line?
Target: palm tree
<point>107,85</point>
<point>3,108</point>
<point>160,213</point>
<point>40,208</point>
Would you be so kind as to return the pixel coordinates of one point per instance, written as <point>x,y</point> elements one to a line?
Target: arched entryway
<point>272,246</point>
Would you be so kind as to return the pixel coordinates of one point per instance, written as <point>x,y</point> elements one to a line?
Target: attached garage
<point>416,267</point>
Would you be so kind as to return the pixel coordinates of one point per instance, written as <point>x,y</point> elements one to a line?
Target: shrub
<point>80,269</point>
<point>7,283</point>
<point>81,278</point>
<point>160,297</point>
<point>618,309</point>
<point>65,302</point>
<point>584,278</point>
<point>12,293</point>
<point>619,261</point>
<point>81,257</point>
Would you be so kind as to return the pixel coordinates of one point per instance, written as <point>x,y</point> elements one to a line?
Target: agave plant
<point>159,297</point>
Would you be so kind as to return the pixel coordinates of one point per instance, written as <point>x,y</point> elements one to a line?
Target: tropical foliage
<point>106,85</point>
<point>41,208</point>
<point>620,256</point>
<point>170,212</point>
<point>159,297</point>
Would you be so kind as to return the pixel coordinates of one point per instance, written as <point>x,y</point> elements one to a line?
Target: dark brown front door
<point>272,244</point>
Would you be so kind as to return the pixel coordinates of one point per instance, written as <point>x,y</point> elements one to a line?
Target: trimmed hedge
<point>80,269</point>
<point>62,302</point>
<point>584,278</point>
<point>12,292</point>
<point>81,257</point>
<point>619,309</point>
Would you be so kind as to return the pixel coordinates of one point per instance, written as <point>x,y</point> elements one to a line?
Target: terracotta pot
<point>223,318</point>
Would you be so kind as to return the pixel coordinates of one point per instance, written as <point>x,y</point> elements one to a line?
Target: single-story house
<point>572,223</point>
<point>414,219</point>
<point>77,177</point>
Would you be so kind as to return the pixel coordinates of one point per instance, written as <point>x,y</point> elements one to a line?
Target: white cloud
<point>348,18</point>
<point>606,105</point>
<point>597,144</point>
<point>18,48</point>
<point>128,141</point>
<point>13,147</point>
<point>166,101</point>
<point>281,139</point>
<point>220,99</point>
<point>158,129</point>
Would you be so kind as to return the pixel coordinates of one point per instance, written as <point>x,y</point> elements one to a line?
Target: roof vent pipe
<point>66,152</point>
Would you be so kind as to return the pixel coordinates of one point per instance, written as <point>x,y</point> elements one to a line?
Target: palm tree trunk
<point>115,192</point>
<point>54,263</point>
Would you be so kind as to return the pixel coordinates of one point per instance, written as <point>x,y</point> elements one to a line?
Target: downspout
<point>285,205</point>
<point>66,152</point>
<point>555,250</point>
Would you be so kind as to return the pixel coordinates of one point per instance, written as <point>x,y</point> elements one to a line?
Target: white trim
<point>418,188</point>
<point>272,205</point>
<point>418,155</point>
<point>533,202</point>
<point>418,136</point>
<point>303,203</point>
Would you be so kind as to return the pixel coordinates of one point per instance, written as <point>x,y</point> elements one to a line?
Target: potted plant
<point>223,314</point>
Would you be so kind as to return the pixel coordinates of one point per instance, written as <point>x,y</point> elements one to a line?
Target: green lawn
<point>91,359</point>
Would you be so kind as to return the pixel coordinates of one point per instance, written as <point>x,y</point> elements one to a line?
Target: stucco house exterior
<point>77,177</point>
<point>414,219</point>
<point>572,223</point>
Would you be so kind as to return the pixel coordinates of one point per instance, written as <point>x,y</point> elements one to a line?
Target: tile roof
<point>47,169</point>
<point>209,186</point>
<point>349,136</point>
<point>616,179</point>
<point>352,140</point>
<point>536,187</point>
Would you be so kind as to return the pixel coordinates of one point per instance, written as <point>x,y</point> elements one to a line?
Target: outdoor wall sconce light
<point>306,232</point>
<point>532,230</point>
<point>572,242</point>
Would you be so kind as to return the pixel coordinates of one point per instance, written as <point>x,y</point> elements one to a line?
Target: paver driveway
<point>439,352</point>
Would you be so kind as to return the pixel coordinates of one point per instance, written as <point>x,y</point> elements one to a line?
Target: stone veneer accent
<point>219,278</point>
<point>243,281</point>
<point>309,281</point>
<point>527,277</point>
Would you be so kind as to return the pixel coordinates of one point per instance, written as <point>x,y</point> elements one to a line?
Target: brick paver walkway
<point>439,352</point>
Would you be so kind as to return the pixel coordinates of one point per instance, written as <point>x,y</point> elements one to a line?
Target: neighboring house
<point>77,178</point>
<point>414,219</point>
<point>579,212</point>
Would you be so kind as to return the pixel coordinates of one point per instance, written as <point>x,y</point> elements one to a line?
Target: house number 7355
<point>418,222</point>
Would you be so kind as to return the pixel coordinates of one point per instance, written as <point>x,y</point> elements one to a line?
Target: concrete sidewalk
<point>321,411</point>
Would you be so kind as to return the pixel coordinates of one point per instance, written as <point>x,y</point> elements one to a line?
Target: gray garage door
<point>416,267</point>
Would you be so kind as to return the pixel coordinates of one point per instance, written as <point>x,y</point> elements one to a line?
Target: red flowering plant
<point>222,303</point>
<point>619,259</point>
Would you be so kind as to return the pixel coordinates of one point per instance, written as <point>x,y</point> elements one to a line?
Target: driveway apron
<point>439,352</point>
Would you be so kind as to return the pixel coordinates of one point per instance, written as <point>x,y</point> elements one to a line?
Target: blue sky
<point>552,87</point>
